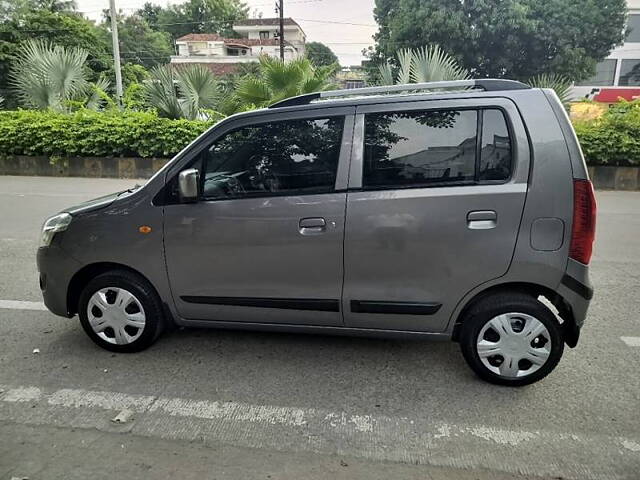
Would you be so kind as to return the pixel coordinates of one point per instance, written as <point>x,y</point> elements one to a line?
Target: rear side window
<point>495,153</point>
<point>292,157</point>
<point>435,148</point>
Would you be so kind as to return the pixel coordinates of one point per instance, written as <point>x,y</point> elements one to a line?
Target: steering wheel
<point>225,185</point>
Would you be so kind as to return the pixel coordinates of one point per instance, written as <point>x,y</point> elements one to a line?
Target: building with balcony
<point>618,75</point>
<point>257,36</point>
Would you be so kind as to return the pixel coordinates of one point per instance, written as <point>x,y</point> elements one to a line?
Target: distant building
<point>618,75</point>
<point>258,36</point>
<point>351,77</point>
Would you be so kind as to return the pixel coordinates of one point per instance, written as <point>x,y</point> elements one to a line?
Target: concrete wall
<point>615,178</point>
<point>81,166</point>
<point>604,178</point>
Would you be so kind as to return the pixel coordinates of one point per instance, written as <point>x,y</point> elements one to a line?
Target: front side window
<point>432,148</point>
<point>630,73</point>
<point>293,157</point>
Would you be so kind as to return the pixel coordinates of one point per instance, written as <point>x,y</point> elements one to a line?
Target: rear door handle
<point>482,219</point>
<point>312,225</point>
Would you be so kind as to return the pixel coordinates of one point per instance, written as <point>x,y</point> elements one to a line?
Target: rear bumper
<point>575,287</point>
<point>585,291</point>
<point>56,269</point>
<point>577,291</point>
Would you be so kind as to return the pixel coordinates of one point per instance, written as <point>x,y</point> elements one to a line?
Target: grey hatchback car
<point>449,210</point>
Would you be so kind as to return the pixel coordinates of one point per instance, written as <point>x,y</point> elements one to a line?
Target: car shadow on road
<point>285,369</point>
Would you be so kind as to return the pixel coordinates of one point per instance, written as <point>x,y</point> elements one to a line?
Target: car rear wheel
<point>511,339</point>
<point>121,312</point>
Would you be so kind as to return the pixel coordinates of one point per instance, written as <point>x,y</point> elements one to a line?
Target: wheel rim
<point>514,345</point>
<point>116,315</point>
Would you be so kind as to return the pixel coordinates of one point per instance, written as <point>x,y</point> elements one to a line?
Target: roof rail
<point>487,84</point>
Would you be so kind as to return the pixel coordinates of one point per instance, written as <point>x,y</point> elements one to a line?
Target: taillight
<point>583,231</point>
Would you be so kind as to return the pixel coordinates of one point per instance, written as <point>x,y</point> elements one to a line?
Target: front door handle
<point>312,225</point>
<point>482,219</point>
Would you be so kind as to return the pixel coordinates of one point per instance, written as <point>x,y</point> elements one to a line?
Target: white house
<point>258,36</point>
<point>618,75</point>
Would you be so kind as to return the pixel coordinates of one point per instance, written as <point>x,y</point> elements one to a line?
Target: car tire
<point>509,347</point>
<point>121,312</point>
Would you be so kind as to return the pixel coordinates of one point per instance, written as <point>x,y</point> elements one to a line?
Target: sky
<point>345,26</point>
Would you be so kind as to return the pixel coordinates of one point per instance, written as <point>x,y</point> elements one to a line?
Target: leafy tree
<point>61,6</point>
<point>10,8</point>
<point>139,43</point>
<point>506,38</point>
<point>63,29</point>
<point>133,73</point>
<point>320,55</point>
<point>150,13</point>
<point>133,77</point>
<point>195,16</point>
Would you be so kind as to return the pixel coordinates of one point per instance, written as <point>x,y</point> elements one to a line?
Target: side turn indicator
<point>144,229</point>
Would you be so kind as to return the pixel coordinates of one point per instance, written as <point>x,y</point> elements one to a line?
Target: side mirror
<point>188,182</point>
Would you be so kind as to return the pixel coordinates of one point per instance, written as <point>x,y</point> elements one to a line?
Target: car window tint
<point>495,154</point>
<point>408,149</point>
<point>280,158</point>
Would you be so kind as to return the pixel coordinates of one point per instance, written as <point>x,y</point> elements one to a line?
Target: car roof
<point>482,88</point>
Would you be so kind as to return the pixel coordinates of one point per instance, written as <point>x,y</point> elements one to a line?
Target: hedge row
<point>92,134</point>
<point>614,138</point>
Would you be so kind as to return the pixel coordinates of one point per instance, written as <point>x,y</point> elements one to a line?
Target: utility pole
<point>116,49</point>
<point>281,11</point>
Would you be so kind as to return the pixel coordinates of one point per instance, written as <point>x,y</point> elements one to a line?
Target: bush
<point>92,134</point>
<point>613,138</point>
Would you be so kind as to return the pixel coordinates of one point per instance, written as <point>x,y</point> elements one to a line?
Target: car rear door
<point>264,244</point>
<point>436,194</point>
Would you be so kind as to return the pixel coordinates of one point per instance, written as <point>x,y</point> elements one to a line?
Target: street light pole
<point>281,10</point>
<point>116,50</point>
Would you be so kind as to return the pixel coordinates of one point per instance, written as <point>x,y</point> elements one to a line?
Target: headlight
<point>53,225</point>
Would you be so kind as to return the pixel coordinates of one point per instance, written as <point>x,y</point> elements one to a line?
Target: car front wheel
<point>121,312</point>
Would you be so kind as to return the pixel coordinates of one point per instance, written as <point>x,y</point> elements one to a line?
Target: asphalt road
<point>225,404</point>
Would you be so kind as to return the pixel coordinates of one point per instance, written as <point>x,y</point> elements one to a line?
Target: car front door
<point>264,243</point>
<point>436,194</point>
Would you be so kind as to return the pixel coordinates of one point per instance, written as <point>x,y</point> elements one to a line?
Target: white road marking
<point>401,439</point>
<point>21,305</point>
<point>501,436</point>
<point>631,341</point>
<point>55,195</point>
<point>629,445</point>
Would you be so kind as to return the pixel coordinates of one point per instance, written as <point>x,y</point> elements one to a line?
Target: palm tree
<point>46,76</point>
<point>53,77</point>
<point>559,83</point>
<point>278,80</point>
<point>190,92</point>
<point>426,64</point>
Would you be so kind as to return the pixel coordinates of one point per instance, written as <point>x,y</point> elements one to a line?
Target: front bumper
<point>56,269</point>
